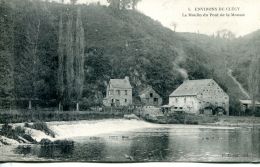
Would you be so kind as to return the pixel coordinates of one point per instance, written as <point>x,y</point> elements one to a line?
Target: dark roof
<point>146,90</point>
<point>191,87</point>
<point>120,83</point>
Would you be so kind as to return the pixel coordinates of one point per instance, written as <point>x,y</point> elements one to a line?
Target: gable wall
<point>147,100</point>
<point>119,99</point>
<point>213,94</point>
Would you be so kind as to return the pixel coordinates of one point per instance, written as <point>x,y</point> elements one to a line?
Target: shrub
<point>15,133</point>
<point>42,126</point>
<point>45,142</point>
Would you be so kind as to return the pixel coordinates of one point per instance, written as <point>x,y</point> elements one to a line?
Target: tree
<point>32,35</point>
<point>254,80</point>
<point>69,69</point>
<point>79,58</point>
<point>114,4</point>
<point>74,64</point>
<point>134,3</point>
<point>61,62</point>
<point>174,25</point>
<point>6,53</point>
<point>226,34</point>
<point>123,4</point>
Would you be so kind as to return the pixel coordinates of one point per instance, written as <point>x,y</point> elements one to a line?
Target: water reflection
<point>154,147</point>
<point>171,143</point>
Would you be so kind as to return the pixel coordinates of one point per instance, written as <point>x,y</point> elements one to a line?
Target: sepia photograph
<point>130,81</point>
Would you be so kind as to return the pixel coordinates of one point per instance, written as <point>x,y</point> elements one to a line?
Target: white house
<point>119,93</point>
<point>198,96</point>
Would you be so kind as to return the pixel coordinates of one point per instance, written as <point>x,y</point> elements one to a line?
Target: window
<point>151,94</point>
<point>118,92</point>
<point>185,100</point>
<point>176,100</point>
<point>125,100</point>
<point>112,100</point>
<point>155,100</point>
<point>125,92</point>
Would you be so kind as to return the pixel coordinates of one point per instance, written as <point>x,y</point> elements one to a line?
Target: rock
<point>6,141</point>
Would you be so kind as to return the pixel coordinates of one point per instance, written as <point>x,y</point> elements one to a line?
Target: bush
<point>19,130</point>
<point>42,126</point>
<point>29,138</point>
<point>16,133</point>
<point>45,142</point>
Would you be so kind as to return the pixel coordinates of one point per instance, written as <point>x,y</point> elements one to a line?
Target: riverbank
<point>66,130</point>
<point>18,116</point>
<point>126,140</point>
<point>71,129</point>
<point>237,121</point>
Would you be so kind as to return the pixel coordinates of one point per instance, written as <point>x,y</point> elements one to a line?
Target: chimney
<point>127,78</point>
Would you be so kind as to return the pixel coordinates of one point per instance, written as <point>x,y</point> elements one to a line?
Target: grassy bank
<point>48,116</point>
<point>181,118</point>
<point>238,121</point>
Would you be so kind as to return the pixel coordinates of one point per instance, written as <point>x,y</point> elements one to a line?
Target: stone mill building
<point>201,97</point>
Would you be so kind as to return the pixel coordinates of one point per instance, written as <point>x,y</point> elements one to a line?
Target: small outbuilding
<point>149,97</point>
<point>248,104</point>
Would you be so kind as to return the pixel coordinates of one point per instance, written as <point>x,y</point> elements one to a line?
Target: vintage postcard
<point>130,81</point>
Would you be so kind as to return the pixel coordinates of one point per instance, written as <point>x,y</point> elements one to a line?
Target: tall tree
<point>79,58</point>
<point>61,61</point>
<point>74,63</point>
<point>254,80</point>
<point>69,69</point>
<point>32,35</point>
<point>6,53</point>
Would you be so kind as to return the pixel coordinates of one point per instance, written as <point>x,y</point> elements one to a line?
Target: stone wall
<point>118,97</point>
<point>211,95</point>
<point>187,103</point>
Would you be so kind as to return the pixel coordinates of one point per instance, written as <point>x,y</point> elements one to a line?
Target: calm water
<point>167,143</point>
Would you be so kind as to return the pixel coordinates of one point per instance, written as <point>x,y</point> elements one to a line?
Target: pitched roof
<point>120,83</point>
<point>146,90</point>
<point>191,87</point>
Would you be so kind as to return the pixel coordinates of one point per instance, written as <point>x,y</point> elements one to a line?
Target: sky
<point>170,12</point>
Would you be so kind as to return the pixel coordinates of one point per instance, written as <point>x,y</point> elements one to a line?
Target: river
<point>171,143</point>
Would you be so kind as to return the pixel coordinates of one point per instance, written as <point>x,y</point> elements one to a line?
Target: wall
<point>213,95</point>
<point>210,95</point>
<point>148,100</point>
<point>187,103</point>
<point>121,99</point>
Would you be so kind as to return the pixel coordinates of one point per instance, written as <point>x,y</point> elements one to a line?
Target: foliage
<point>116,43</point>
<point>42,126</point>
<point>6,52</point>
<point>123,4</point>
<point>15,133</point>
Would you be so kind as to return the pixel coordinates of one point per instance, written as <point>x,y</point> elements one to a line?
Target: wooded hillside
<point>117,43</point>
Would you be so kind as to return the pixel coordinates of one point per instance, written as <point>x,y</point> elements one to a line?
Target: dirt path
<point>229,73</point>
